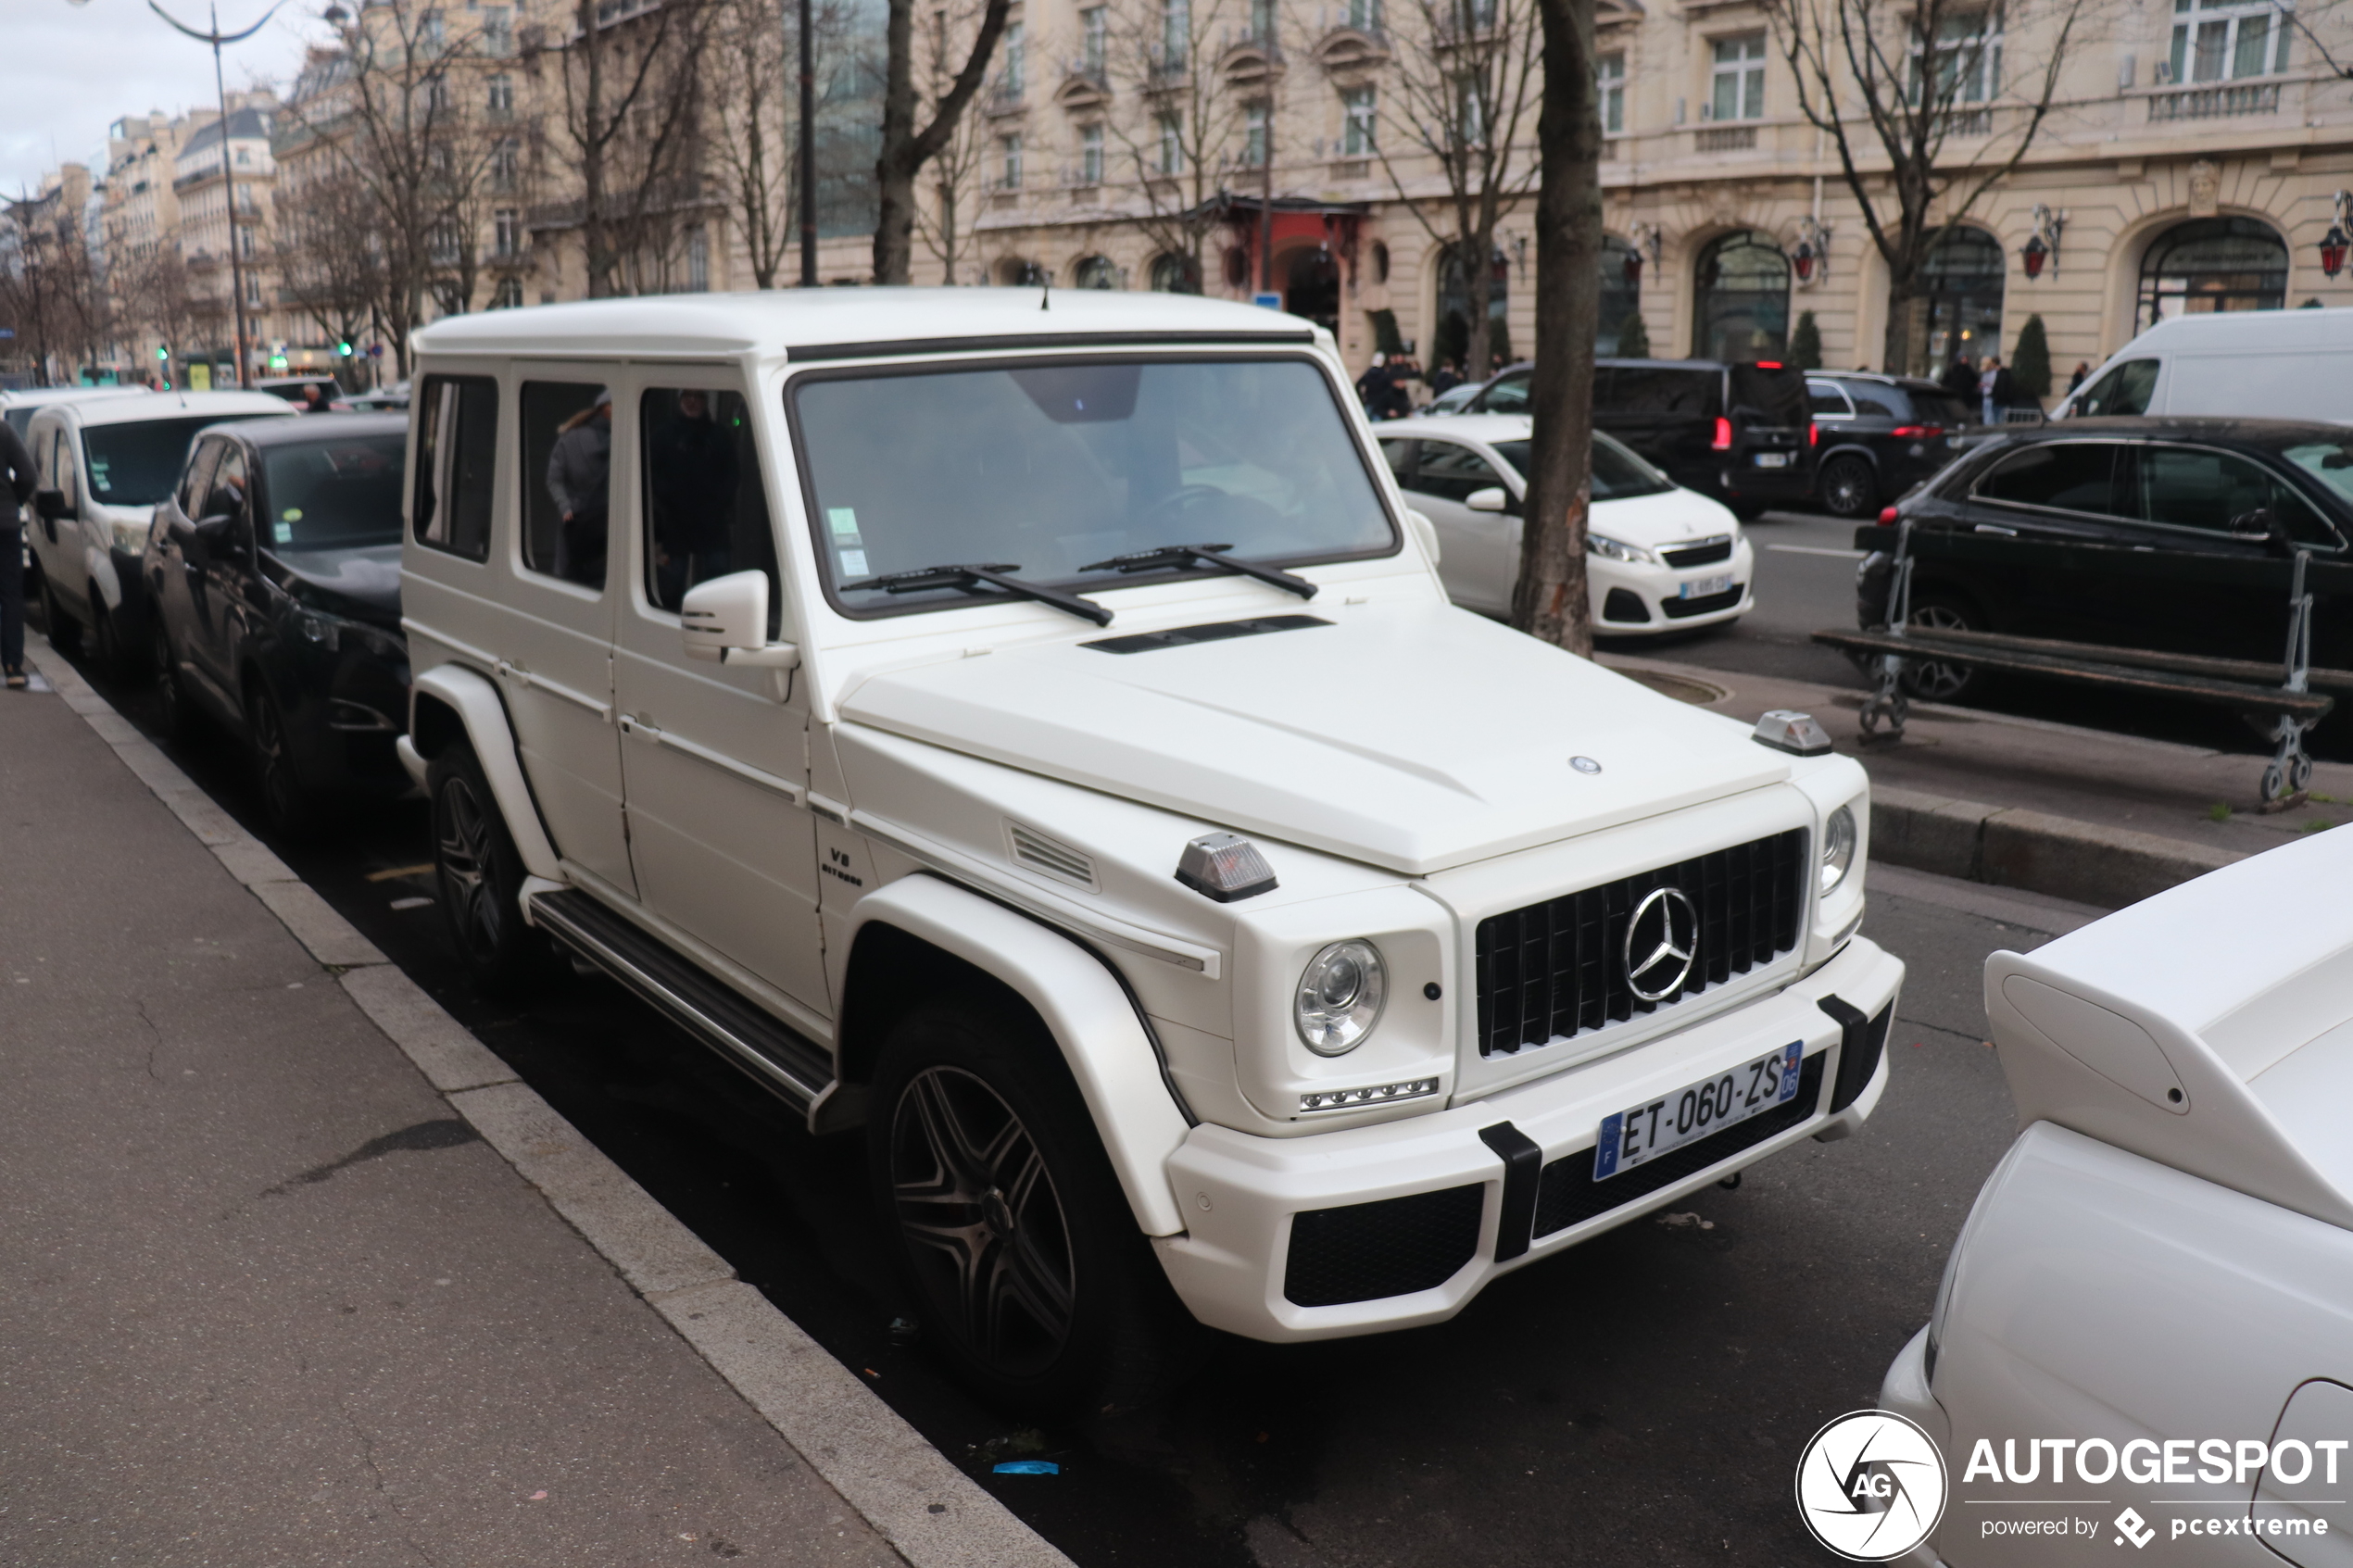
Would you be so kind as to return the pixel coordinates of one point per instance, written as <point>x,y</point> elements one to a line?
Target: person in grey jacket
<point>16,469</point>
<point>579,479</point>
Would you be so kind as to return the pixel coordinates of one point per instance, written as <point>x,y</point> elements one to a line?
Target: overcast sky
<point>68,72</point>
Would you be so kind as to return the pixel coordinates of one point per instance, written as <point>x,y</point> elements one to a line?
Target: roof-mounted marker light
<point>1795,733</point>
<point>1225,866</point>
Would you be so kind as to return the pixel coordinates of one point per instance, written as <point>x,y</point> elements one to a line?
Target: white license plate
<point>1700,587</point>
<point>1772,460</point>
<point>1644,1132</point>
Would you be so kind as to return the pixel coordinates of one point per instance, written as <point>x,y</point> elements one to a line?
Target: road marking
<point>1816,550</point>
<point>396,872</point>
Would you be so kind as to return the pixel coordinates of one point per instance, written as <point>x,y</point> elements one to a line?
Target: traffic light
<point>342,349</point>
<point>163,351</point>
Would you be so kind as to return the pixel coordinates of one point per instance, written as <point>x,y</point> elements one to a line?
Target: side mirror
<point>213,533</point>
<point>725,622</point>
<point>50,504</point>
<point>1494,498</point>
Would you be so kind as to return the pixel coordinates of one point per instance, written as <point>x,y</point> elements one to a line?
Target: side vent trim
<point>1049,856</point>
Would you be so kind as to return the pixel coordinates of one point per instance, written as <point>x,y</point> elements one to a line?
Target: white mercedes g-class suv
<point>1031,728</point>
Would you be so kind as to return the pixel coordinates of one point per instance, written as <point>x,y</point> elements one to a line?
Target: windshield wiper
<point>970,578</point>
<point>1210,554</point>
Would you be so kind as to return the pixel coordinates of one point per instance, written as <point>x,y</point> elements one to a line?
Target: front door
<point>715,758</point>
<point>218,584</point>
<point>1479,552</point>
<point>554,646</point>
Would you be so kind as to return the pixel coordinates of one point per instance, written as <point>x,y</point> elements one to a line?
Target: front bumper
<point>1241,1195</point>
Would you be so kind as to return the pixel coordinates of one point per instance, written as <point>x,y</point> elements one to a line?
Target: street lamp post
<point>228,175</point>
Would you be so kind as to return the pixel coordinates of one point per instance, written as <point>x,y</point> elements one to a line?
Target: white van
<point>1031,730</point>
<point>2236,364</point>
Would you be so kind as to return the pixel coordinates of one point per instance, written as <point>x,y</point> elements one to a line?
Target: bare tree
<point>1465,79</point>
<point>630,85</point>
<point>1900,80</point>
<point>958,172</point>
<point>1550,600</point>
<point>51,285</point>
<point>330,265</point>
<point>1186,137</point>
<point>905,148</point>
<point>153,296</point>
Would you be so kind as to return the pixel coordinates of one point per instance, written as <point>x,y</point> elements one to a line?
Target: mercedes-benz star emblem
<point>1661,941</point>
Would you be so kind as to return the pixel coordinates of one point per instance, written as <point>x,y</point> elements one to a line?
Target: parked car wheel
<point>175,715</point>
<point>1849,487</point>
<point>1928,680</point>
<point>64,631</point>
<point>479,874</point>
<point>293,808</point>
<point>1008,1222</point>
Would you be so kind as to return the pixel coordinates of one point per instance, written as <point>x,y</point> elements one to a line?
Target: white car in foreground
<point>2146,1330</point>
<point>1657,557</point>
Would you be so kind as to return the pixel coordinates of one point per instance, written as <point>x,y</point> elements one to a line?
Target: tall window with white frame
<point>1090,154</point>
<point>697,260</point>
<point>506,231</point>
<point>1170,157</point>
<point>1012,81</point>
<point>2223,39</point>
<point>1254,139</point>
<point>1176,37</point>
<point>1365,16</point>
<point>1736,87</point>
<point>501,90</point>
<point>1609,76</point>
<point>1360,111</point>
<point>1967,59</point>
<point>1008,154</point>
<point>1094,40</point>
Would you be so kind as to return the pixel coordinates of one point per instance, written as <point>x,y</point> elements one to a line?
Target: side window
<point>2124,389</point>
<point>1827,401</point>
<point>1399,456</point>
<point>198,482</point>
<point>566,476</point>
<point>2070,475</point>
<point>1875,402</point>
<point>1663,390</point>
<point>457,441</point>
<point>706,508</point>
<point>63,468</point>
<point>2191,487</point>
<point>1509,396</point>
<point>1451,472</point>
<point>230,487</point>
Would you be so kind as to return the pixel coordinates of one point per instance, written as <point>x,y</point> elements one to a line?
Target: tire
<point>1927,681</point>
<point>63,631</point>
<point>478,874</point>
<point>175,714</point>
<point>1008,1222</point>
<point>292,806</point>
<point>108,651</point>
<point>1849,487</point>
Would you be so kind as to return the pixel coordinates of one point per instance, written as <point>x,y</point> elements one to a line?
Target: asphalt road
<point>1641,1398</point>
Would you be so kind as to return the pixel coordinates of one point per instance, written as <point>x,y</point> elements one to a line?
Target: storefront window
<point>2212,264</point>
<point>1964,279</point>
<point>1743,299</point>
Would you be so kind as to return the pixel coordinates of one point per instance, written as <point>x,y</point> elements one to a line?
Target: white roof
<point>790,319</point>
<point>1490,428</point>
<point>42,397</point>
<point>2249,331</point>
<point>177,405</point>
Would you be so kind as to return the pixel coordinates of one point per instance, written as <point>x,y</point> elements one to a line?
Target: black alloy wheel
<point>292,806</point>
<point>1930,680</point>
<point>1849,487</point>
<point>478,873</point>
<point>1029,1271</point>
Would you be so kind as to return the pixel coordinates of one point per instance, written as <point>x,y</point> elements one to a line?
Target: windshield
<point>332,495</point>
<point>137,465</point>
<point>1050,470</point>
<point>1618,473</point>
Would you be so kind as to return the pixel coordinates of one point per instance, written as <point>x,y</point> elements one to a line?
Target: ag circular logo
<point>1870,1486</point>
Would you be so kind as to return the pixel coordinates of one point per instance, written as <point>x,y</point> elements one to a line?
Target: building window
<point>1014,79</point>
<point>2217,40</point>
<point>1743,299</point>
<point>244,244</point>
<point>497,31</point>
<point>697,260</point>
<point>2212,264</point>
<point>502,95</point>
<point>1254,136</point>
<point>441,244</point>
<point>1090,156</point>
<point>253,291</point>
<point>1176,34</point>
<point>506,231</point>
<point>430,33</point>
<point>1964,275</point>
<point>1093,37</point>
<point>1262,20</point>
<point>508,296</point>
<point>1170,160</point>
<point>1609,74</point>
<point>1737,89</point>
<point>1009,149</point>
<point>1096,272</point>
<point>506,163</point>
<point>1969,59</point>
<point>1365,16</point>
<point>1173,272</point>
<point>1361,112</point>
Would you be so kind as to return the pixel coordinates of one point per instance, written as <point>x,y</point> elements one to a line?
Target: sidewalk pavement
<point>2083,814</point>
<point>270,1298</point>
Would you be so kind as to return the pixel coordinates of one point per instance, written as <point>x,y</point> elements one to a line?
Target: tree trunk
<point>895,169</point>
<point>1906,331</point>
<point>1550,601</point>
<point>1479,275</point>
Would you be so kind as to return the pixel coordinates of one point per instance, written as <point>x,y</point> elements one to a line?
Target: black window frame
<point>2117,446</point>
<point>422,455</point>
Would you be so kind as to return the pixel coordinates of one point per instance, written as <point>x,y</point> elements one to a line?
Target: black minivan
<point>1742,434</point>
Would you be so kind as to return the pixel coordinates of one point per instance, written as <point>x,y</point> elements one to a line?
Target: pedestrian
<point>314,401</point>
<point>1445,378</point>
<point>1959,379</point>
<point>16,467</point>
<point>2083,369</point>
<point>579,479</point>
<point>1993,388</point>
<point>1374,387</point>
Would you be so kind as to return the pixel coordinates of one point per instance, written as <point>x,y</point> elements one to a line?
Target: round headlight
<point>1340,997</point>
<point>1838,848</point>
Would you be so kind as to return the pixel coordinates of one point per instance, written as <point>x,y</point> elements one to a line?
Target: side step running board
<point>779,1056</point>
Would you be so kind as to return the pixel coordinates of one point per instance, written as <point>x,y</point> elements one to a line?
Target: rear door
<point>1668,413</point>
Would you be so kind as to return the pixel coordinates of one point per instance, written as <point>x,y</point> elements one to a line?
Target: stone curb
<point>933,1514</point>
<point>2011,846</point>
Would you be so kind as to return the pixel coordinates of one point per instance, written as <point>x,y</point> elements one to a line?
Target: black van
<point>1743,433</point>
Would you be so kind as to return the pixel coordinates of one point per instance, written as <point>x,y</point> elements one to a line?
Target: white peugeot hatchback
<point>1657,557</point>
<point>1031,730</point>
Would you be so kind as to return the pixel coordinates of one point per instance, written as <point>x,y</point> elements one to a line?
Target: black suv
<point>275,571</point>
<point>1739,432</point>
<point>1881,435</point>
<point>2169,534</point>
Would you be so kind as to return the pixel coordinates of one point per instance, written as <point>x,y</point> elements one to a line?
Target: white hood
<point>1410,736</point>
